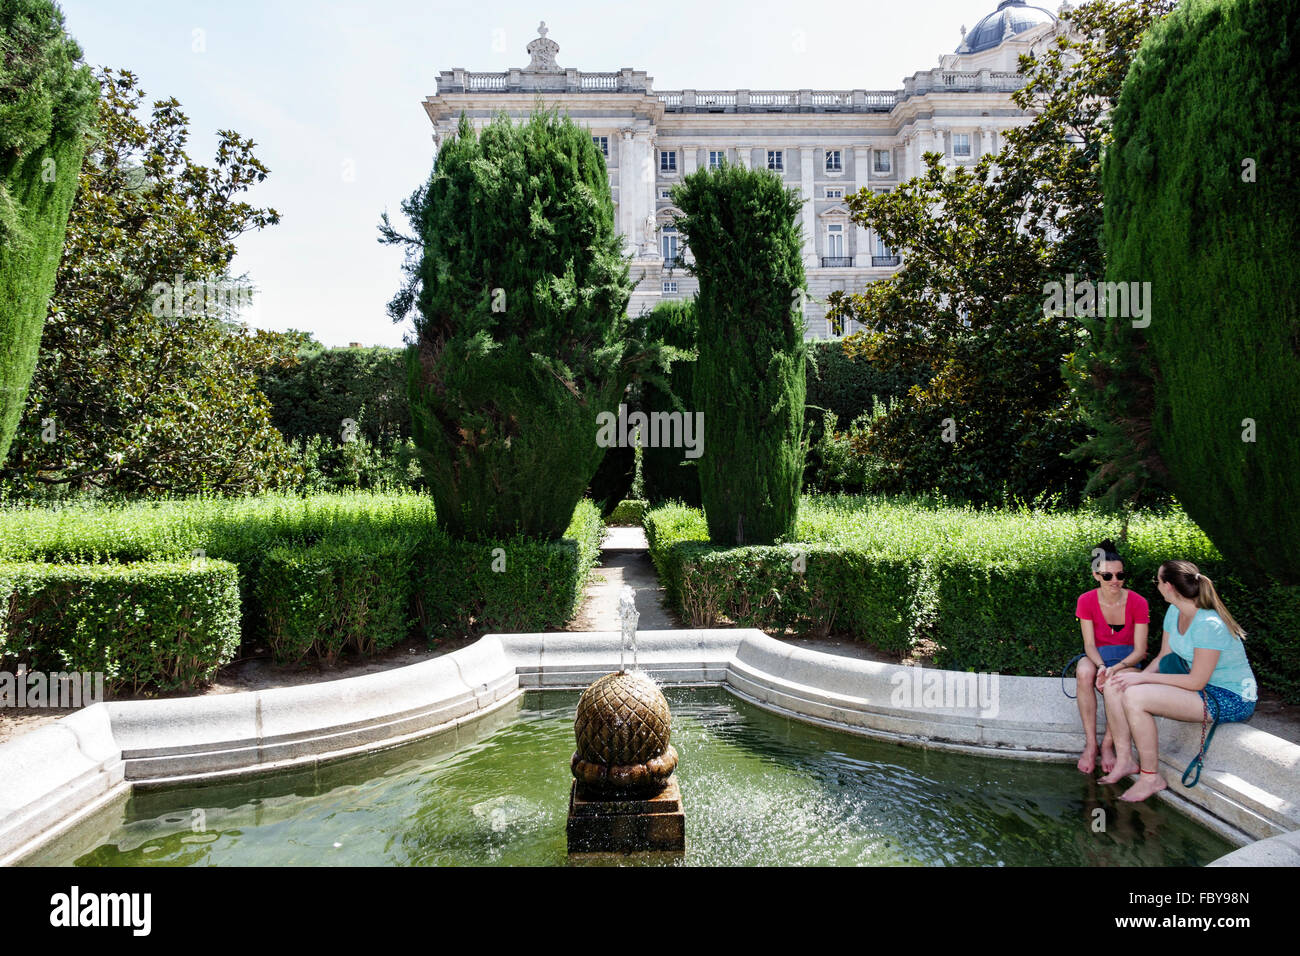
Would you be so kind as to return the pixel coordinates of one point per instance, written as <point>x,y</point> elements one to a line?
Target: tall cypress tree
<point>47,104</point>
<point>1202,188</point>
<point>742,227</point>
<point>519,294</point>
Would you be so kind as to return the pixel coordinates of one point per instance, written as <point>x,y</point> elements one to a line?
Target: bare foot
<point>1088,762</point>
<point>1107,755</point>
<point>1120,771</point>
<point>1148,785</point>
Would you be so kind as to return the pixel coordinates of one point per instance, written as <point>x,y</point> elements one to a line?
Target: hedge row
<point>170,625</point>
<point>987,591</point>
<point>318,576</point>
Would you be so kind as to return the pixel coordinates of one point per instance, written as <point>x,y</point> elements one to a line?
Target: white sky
<point>328,86</point>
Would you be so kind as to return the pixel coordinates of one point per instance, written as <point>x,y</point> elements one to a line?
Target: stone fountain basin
<point>56,776</point>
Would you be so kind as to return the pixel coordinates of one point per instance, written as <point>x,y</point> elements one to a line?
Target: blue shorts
<point>1227,707</point>
<point>1112,654</point>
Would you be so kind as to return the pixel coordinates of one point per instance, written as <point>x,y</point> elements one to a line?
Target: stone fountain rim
<point>58,775</point>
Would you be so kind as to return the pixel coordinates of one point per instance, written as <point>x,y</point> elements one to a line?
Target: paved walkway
<point>624,561</point>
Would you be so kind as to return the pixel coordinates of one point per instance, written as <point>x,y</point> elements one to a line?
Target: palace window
<point>776,160</point>
<point>665,194</point>
<point>602,142</point>
<point>717,157</point>
<point>961,144</point>
<point>883,160</point>
<point>835,241</point>
<point>833,161</point>
<point>668,245</point>
<point>835,193</point>
<point>668,161</point>
<point>670,286</point>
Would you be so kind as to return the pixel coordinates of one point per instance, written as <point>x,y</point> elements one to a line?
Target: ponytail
<point>1208,598</point>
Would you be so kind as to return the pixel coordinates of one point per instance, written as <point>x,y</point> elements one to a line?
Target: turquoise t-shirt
<point>1207,630</point>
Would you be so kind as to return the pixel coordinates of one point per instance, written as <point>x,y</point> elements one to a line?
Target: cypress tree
<point>668,474</point>
<point>520,300</point>
<point>742,227</point>
<point>47,104</point>
<point>1202,200</point>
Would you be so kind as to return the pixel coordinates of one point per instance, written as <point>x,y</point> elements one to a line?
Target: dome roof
<point>1011,17</point>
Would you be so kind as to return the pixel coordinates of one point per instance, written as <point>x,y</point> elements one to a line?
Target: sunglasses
<point>1118,575</point>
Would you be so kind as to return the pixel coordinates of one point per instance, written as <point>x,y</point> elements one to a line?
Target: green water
<point>757,789</point>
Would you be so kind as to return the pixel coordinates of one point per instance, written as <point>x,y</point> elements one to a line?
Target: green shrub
<point>980,590</point>
<point>837,462</point>
<point>516,584</point>
<point>165,625</point>
<point>1202,188</point>
<point>338,595</point>
<point>47,104</point>
<point>389,463</point>
<point>743,227</point>
<point>628,513</point>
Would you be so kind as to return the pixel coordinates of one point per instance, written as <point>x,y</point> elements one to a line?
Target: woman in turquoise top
<point>1199,629</point>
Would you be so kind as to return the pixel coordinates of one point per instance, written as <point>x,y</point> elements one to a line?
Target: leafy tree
<point>518,290</point>
<point>144,385</point>
<point>1202,190</point>
<point>742,227</point>
<point>993,417</point>
<point>47,106</point>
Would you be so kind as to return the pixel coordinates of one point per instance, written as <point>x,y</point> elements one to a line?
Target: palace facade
<point>828,144</point>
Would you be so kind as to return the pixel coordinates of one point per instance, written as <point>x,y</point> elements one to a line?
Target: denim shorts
<point>1228,707</point>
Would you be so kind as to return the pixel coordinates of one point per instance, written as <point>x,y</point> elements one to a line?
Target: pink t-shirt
<point>1135,612</point>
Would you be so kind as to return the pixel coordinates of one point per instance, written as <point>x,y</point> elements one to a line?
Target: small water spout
<point>627,614</point>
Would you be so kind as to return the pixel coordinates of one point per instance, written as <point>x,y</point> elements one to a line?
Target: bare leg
<point>1142,704</point>
<point>1085,678</point>
<point>1117,727</point>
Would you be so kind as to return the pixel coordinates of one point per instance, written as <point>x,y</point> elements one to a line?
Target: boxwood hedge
<point>166,624</point>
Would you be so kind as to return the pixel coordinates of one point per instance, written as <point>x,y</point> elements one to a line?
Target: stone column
<point>862,180</point>
<point>628,174</point>
<point>646,184</point>
<point>806,187</point>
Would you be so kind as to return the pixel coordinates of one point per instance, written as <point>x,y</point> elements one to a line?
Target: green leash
<point>1176,665</point>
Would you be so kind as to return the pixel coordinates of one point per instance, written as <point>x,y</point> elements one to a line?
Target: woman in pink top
<point>1114,621</point>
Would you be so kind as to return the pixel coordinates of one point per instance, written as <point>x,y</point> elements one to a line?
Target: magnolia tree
<point>144,384</point>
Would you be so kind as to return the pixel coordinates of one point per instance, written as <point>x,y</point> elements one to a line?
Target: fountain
<point>624,796</point>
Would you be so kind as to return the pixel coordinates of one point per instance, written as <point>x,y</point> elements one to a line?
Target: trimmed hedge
<point>521,584</point>
<point>242,531</point>
<point>628,513</point>
<point>337,596</point>
<point>328,574</point>
<point>988,591</point>
<point>170,625</point>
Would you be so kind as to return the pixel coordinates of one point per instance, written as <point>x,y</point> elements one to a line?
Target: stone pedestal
<point>624,826</point>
